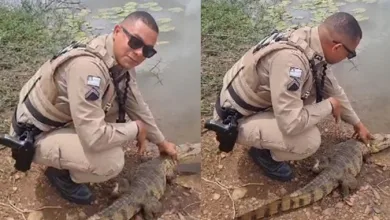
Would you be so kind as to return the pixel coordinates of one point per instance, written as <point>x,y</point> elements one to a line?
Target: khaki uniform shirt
<point>293,114</point>
<point>96,130</point>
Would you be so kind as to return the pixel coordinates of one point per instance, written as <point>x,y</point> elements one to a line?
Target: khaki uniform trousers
<point>262,131</point>
<point>62,149</point>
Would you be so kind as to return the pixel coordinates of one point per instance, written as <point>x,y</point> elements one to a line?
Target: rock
<point>377,210</point>
<point>9,218</point>
<point>316,208</point>
<point>335,194</point>
<point>339,205</point>
<point>283,191</point>
<point>375,218</point>
<point>35,215</point>
<point>220,166</point>
<point>223,155</point>
<point>216,196</point>
<point>376,194</point>
<point>368,210</point>
<point>239,193</point>
<point>82,215</point>
<point>328,211</point>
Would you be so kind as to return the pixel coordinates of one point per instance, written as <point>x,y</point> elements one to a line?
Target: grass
<point>228,30</point>
<point>30,33</point>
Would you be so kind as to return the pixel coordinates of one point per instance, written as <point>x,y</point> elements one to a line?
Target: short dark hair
<point>345,24</point>
<point>145,17</point>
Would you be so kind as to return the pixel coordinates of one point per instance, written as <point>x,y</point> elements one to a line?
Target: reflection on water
<point>175,101</point>
<point>368,86</point>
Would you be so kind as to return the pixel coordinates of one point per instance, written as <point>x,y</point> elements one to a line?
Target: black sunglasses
<point>136,43</point>
<point>351,53</point>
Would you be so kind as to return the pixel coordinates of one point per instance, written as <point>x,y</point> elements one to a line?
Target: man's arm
<point>86,83</point>
<point>333,89</point>
<point>137,109</point>
<point>287,73</point>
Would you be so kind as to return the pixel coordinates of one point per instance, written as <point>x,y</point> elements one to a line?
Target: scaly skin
<point>338,169</point>
<point>142,192</point>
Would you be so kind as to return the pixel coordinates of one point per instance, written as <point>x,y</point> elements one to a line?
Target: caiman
<point>141,193</point>
<point>339,168</point>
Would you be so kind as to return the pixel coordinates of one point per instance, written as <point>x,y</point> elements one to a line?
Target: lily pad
<point>148,5</point>
<point>166,28</point>
<point>369,1</point>
<point>175,10</point>
<point>358,10</point>
<point>162,42</point>
<point>338,4</point>
<point>351,1</point>
<point>361,17</point>
<point>156,8</point>
<point>164,20</point>
<point>131,4</point>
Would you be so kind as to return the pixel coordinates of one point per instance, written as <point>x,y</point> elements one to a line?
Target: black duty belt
<point>37,115</point>
<point>222,111</point>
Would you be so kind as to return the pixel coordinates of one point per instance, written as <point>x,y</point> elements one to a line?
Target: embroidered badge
<point>92,95</point>
<point>93,81</point>
<point>293,85</point>
<point>295,72</point>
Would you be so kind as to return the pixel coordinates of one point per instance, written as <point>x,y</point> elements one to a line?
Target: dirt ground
<point>249,188</point>
<point>21,194</point>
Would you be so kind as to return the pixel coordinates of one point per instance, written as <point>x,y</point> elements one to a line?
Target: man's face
<point>338,51</point>
<point>129,43</point>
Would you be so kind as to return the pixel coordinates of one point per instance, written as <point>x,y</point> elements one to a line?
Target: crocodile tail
<point>287,203</point>
<point>122,208</point>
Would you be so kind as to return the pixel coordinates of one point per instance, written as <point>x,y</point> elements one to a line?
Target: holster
<point>227,131</point>
<point>22,145</point>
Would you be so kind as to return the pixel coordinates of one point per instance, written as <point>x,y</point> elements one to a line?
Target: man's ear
<point>336,47</point>
<point>116,30</point>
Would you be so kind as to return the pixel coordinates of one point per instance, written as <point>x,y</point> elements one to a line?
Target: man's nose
<point>139,52</point>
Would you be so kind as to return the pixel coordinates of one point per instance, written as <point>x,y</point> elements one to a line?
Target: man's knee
<point>107,164</point>
<point>62,149</point>
<point>300,146</point>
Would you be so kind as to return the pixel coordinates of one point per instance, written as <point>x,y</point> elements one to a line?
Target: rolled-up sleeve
<point>137,109</point>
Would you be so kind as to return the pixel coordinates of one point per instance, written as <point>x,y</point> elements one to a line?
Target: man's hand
<point>362,133</point>
<point>141,137</point>
<point>168,148</point>
<point>336,108</point>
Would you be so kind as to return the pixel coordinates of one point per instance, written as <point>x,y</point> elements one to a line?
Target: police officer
<point>282,87</point>
<point>76,104</point>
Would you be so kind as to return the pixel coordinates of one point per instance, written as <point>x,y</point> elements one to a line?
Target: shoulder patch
<point>92,94</point>
<point>295,72</point>
<point>93,81</point>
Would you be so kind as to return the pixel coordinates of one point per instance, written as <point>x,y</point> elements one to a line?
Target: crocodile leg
<point>121,187</point>
<point>151,209</point>
<point>348,183</point>
<point>320,164</point>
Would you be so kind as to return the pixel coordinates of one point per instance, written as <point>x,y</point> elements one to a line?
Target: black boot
<point>69,190</point>
<point>275,170</point>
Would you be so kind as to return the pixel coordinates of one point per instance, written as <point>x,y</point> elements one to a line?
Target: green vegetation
<point>227,32</point>
<point>29,34</point>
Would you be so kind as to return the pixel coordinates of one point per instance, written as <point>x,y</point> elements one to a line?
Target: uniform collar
<point>110,47</point>
<point>118,71</point>
<point>314,41</point>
